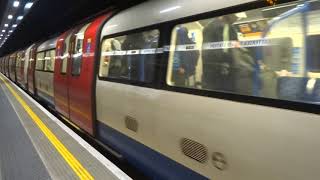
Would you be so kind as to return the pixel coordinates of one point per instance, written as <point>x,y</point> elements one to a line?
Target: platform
<point>36,145</point>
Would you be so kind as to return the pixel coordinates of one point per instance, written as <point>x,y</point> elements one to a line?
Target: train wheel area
<point>36,145</point>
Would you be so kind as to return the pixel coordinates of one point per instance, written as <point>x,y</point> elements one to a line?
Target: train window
<point>131,57</point>
<point>49,60</point>
<point>77,51</point>
<point>65,55</point>
<point>251,53</point>
<point>40,61</point>
<point>18,61</point>
<point>30,59</point>
<point>12,63</point>
<point>23,59</point>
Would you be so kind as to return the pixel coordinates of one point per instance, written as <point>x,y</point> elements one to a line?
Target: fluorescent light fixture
<point>14,25</point>
<point>10,16</point>
<point>170,9</point>
<point>6,25</point>
<point>3,30</point>
<point>10,31</point>
<point>28,5</point>
<point>1,34</point>
<point>16,3</point>
<point>19,17</point>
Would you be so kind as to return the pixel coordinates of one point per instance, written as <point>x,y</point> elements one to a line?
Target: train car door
<point>6,66</point>
<point>22,54</point>
<point>61,93</point>
<point>81,74</point>
<point>12,68</point>
<point>31,69</point>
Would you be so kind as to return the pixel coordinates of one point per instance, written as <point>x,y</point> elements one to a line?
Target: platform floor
<point>36,145</point>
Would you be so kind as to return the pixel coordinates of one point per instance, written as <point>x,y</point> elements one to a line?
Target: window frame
<point>44,63</point>
<point>73,46</point>
<point>64,51</point>
<point>155,82</point>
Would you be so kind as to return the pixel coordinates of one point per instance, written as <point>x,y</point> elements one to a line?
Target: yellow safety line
<point>64,152</point>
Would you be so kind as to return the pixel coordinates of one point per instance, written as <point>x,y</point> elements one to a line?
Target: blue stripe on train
<point>152,163</point>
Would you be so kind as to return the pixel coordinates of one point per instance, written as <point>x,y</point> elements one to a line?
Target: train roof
<point>154,12</point>
<point>49,44</point>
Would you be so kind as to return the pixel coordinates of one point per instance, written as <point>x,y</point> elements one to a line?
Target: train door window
<point>65,55</point>
<point>30,59</point>
<point>49,60</point>
<point>40,61</point>
<point>249,53</point>
<point>18,61</point>
<point>23,59</point>
<point>12,63</point>
<point>131,57</point>
<point>77,51</point>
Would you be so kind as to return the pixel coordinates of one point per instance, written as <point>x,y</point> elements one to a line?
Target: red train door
<point>61,93</point>
<point>31,68</point>
<point>83,45</point>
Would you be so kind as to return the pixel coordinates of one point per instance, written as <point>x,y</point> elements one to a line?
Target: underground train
<point>189,89</point>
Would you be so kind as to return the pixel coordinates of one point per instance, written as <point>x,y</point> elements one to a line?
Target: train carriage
<point>190,89</point>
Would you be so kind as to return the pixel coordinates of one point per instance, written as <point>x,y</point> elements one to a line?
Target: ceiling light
<point>6,25</point>
<point>16,3</point>
<point>14,25</point>
<point>28,5</point>
<point>3,30</point>
<point>19,17</point>
<point>1,34</point>
<point>10,31</point>
<point>10,16</point>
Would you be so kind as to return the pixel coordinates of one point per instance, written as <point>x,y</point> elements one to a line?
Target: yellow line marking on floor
<point>64,152</point>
